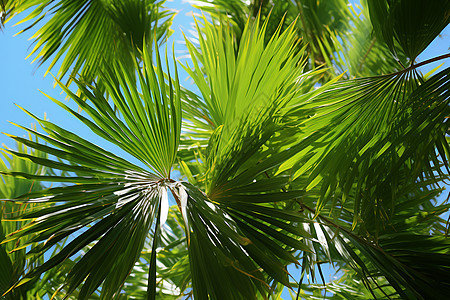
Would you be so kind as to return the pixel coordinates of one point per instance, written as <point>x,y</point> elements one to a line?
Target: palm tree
<point>282,163</point>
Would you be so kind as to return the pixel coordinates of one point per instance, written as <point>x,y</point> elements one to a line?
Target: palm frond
<point>250,84</point>
<point>244,114</point>
<point>317,21</point>
<point>362,251</point>
<point>408,25</point>
<point>375,126</point>
<point>86,36</point>
<point>5,10</point>
<point>413,264</point>
<point>281,171</point>
<point>117,201</point>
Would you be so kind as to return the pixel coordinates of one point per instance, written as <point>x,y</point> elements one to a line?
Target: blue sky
<point>20,80</point>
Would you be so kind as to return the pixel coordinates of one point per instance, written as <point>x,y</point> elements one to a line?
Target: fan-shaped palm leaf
<point>408,25</point>
<point>117,199</point>
<point>257,74</point>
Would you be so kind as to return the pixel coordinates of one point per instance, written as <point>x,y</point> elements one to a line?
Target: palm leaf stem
<point>363,61</point>
<point>151,287</point>
<point>428,61</point>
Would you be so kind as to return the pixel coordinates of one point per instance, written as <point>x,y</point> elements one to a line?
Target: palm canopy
<point>281,166</point>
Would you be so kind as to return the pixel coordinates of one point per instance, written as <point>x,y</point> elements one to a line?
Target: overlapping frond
<point>281,170</point>
<point>412,264</point>
<point>363,131</point>
<point>402,266</point>
<point>242,152</point>
<point>413,215</point>
<point>357,52</point>
<point>317,21</point>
